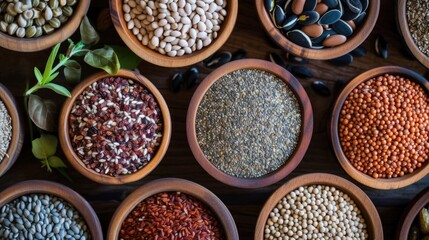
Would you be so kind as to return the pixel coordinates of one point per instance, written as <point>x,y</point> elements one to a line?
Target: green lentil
<point>248,123</point>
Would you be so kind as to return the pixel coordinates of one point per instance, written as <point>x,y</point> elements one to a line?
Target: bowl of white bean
<point>318,206</point>
<point>174,33</point>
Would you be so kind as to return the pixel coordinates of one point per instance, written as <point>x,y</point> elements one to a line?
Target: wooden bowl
<point>69,195</point>
<point>17,139</point>
<point>402,24</point>
<point>47,41</point>
<point>173,185</point>
<point>73,157</point>
<point>156,58</point>
<point>380,183</point>
<point>304,138</point>
<point>368,210</point>
<point>320,54</point>
<point>411,213</point>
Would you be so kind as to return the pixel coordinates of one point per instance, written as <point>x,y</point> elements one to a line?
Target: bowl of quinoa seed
<point>11,130</point>
<point>249,123</point>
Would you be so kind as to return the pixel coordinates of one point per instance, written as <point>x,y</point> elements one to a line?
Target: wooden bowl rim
<point>17,139</point>
<point>46,41</point>
<point>156,58</point>
<point>402,22</point>
<point>368,210</point>
<point>320,54</point>
<point>380,183</point>
<point>74,159</point>
<point>411,212</point>
<point>67,194</point>
<point>304,138</point>
<point>173,185</point>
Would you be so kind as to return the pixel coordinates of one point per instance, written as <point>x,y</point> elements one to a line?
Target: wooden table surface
<point>17,68</point>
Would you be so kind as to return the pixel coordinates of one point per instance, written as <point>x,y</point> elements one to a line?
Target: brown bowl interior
<point>102,178</point>
<point>361,33</point>
<point>411,213</point>
<point>402,24</point>
<point>392,183</point>
<point>59,190</point>
<point>163,60</point>
<point>304,138</point>
<point>173,185</point>
<point>368,210</point>
<point>17,140</point>
<point>47,41</point>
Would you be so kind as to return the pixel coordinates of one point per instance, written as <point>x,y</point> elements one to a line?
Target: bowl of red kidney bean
<point>380,127</point>
<point>172,208</point>
<point>115,129</point>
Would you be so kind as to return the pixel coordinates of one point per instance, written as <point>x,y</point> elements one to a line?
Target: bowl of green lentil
<point>115,129</point>
<point>172,208</point>
<point>11,130</point>
<point>46,210</point>
<point>379,127</point>
<point>318,206</point>
<point>249,123</point>
<point>35,25</point>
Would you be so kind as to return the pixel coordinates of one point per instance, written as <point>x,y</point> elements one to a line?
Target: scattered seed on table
<point>171,215</point>
<point>42,216</point>
<point>5,131</point>
<point>248,123</point>
<point>316,212</point>
<point>417,19</point>
<point>115,126</point>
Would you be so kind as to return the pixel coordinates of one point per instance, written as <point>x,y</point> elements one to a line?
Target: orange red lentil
<point>384,126</point>
<point>171,216</point>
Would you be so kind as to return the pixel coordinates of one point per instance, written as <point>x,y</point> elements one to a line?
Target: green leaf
<point>52,77</point>
<point>50,62</point>
<point>38,75</point>
<point>58,89</point>
<point>87,32</point>
<point>45,146</point>
<point>127,58</point>
<point>104,58</point>
<point>72,71</point>
<point>56,162</point>
<point>43,113</point>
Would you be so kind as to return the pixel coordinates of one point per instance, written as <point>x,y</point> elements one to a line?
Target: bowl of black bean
<point>39,209</point>
<point>115,129</point>
<point>318,29</point>
<point>249,123</point>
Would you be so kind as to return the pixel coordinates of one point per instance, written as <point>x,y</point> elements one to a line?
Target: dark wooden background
<point>17,68</point>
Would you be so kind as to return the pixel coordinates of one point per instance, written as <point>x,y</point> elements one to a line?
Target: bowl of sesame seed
<point>249,123</point>
<point>11,130</point>
<point>379,127</point>
<point>318,206</point>
<point>115,129</point>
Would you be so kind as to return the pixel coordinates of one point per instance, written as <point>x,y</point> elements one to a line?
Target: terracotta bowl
<point>47,41</point>
<point>73,158</point>
<point>61,191</point>
<point>352,42</point>
<point>173,185</point>
<point>156,58</point>
<point>411,213</point>
<point>15,144</point>
<point>379,183</point>
<point>303,141</point>
<point>363,202</point>
<point>402,24</point>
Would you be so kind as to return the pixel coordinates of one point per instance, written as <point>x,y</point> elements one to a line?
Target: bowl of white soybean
<point>318,206</point>
<point>174,33</point>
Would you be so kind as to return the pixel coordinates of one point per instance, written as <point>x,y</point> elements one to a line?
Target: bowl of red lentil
<point>11,130</point>
<point>379,127</point>
<point>115,129</point>
<point>318,206</point>
<point>172,208</point>
<point>249,123</point>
